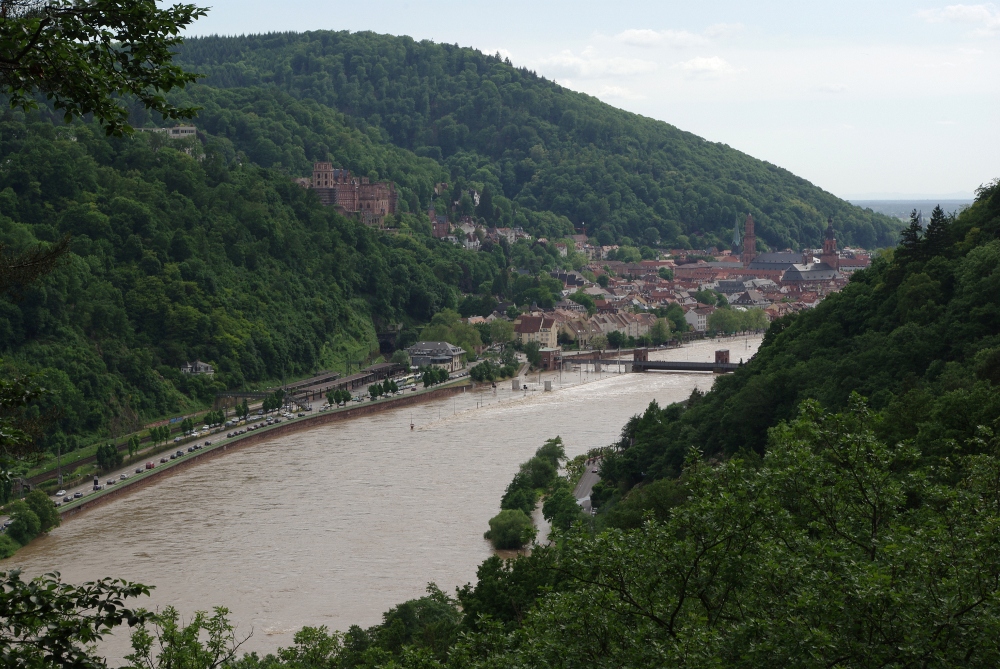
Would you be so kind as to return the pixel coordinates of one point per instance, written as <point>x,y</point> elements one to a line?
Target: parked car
<point>176,439</point>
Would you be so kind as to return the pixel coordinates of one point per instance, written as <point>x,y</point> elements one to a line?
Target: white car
<point>60,493</point>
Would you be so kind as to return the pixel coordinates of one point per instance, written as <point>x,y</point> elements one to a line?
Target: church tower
<point>736,237</point>
<point>749,242</point>
<point>830,256</point>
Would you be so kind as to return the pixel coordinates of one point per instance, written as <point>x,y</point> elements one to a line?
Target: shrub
<point>109,457</point>
<point>44,508</point>
<point>7,546</point>
<point>511,528</point>
<point>24,524</point>
<point>560,508</point>
<point>539,472</point>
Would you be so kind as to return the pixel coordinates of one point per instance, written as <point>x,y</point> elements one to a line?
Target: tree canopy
<point>543,157</point>
<point>84,56</point>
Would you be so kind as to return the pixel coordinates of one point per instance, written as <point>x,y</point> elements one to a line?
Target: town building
<point>197,367</point>
<point>542,329</point>
<point>697,318</point>
<point>749,242</point>
<point>437,354</point>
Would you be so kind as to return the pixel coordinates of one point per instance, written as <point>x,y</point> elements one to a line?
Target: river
<point>336,524</point>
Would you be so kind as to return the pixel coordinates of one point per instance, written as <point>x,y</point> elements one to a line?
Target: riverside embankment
<point>335,524</point>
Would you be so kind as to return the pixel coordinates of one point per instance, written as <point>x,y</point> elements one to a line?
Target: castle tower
<point>749,242</point>
<point>830,256</point>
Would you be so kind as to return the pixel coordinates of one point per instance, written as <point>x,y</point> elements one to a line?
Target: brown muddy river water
<point>336,524</point>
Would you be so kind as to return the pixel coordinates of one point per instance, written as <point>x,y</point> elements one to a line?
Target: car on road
<point>60,493</point>
<point>176,439</point>
<point>163,460</point>
<point>122,477</point>
<point>138,470</point>
<point>68,498</point>
<point>150,465</point>
<point>593,471</point>
<point>77,495</point>
<point>179,453</point>
<point>112,481</point>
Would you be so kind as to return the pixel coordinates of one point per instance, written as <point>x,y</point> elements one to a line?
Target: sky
<point>868,100</point>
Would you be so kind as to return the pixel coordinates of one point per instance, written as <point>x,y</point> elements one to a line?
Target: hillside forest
<point>549,159</point>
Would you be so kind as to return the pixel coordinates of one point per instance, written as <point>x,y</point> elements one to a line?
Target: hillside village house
<point>197,367</point>
<point>437,354</point>
<point>542,329</point>
<point>698,318</point>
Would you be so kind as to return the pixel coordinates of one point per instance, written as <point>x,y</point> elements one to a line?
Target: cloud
<point>723,30</point>
<point>831,88</point>
<point>677,38</point>
<point>674,38</point>
<point>587,64</point>
<point>619,92</point>
<point>713,66</point>
<point>987,17</point>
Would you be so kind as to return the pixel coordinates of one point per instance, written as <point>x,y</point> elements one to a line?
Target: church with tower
<point>789,267</point>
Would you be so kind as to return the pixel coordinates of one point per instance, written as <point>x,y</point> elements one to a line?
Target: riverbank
<point>268,433</point>
<point>335,525</point>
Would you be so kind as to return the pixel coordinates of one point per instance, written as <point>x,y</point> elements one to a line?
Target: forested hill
<point>534,144</point>
<point>184,250</point>
<point>918,334</point>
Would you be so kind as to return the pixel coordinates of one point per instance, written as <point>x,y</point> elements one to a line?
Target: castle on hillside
<point>352,195</point>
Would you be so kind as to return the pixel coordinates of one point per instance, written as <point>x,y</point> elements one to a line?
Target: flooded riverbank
<point>334,525</point>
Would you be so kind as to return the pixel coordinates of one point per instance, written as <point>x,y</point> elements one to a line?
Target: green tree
<point>509,529</point>
<point>665,273</point>
<point>401,357</point>
<point>616,339</point>
<point>659,332</point>
<point>532,352</point>
<point>501,331</point>
<point>48,623</point>
<point>108,457</point>
<point>584,300</point>
<point>599,342</point>
<point>44,508</point>
<point>725,321</point>
<point>24,523</point>
<point>161,640</point>
<point>85,55</point>
<point>561,509</point>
